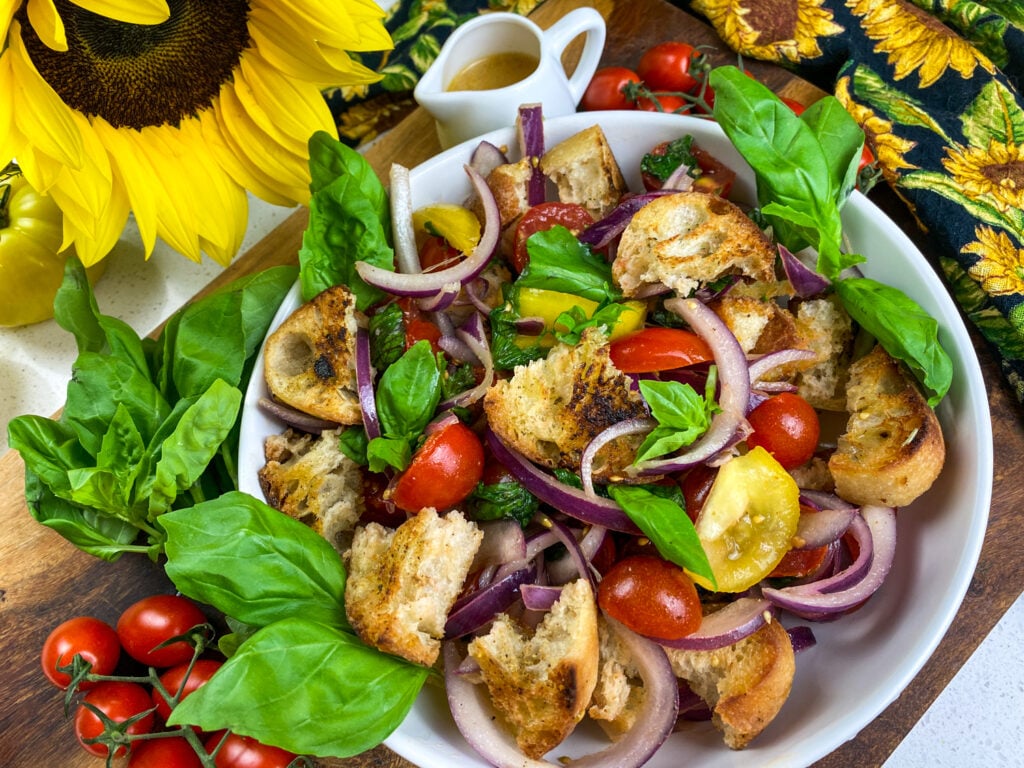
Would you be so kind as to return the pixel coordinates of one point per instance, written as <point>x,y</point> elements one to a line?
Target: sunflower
<point>917,41</point>
<point>1000,268</point>
<point>172,109</point>
<point>773,30</point>
<point>890,149</point>
<point>995,173</point>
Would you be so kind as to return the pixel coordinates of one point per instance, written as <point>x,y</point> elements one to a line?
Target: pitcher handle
<point>586,21</point>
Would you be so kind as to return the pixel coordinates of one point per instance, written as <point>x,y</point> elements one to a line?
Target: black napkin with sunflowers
<point>933,83</point>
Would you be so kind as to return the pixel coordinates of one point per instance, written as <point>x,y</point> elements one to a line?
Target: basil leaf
<point>387,336</point>
<point>678,152</point>
<point>384,452</point>
<point>499,501</point>
<point>353,443</point>
<point>408,392</point>
<point>282,682</point>
<point>681,413</point>
<point>253,563</point>
<point>560,262</point>
<point>667,525</point>
<point>569,326</point>
<point>903,328</point>
<point>349,221</point>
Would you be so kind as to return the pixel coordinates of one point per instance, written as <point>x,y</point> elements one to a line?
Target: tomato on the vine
<point>243,752</point>
<point>665,103</point>
<point>154,620</point>
<point>119,701</point>
<point>174,681</point>
<point>607,89</point>
<point>92,639</point>
<point>171,752</point>
<point>543,217</point>
<point>651,596</point>
<point>443,472</point>
<point>787,427</point>
<point>671,66</point>
<point>658,349</point>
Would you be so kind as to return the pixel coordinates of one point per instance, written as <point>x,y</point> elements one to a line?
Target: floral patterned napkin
<point>934,83</point>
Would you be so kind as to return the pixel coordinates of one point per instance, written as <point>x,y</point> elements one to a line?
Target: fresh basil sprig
<point>806,167</point>
<point>287,583</point>
<point>681,413</point>
<point>560,262</point>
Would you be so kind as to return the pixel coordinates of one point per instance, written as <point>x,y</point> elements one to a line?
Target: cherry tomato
<point>173,680</point>
<point>658,349</point>
<point>651,596</point>
<point>671,66</point>
<point>787,427</point>
<point>243,752</point>
<point>436,251</point>
<point>665,103</point>
<point>798,563</point>
<point>417,326</point>
<point>118,701</point>
<point>605,90</point>
<point>606,554</point>
<point>375,508</point>
<point>543,217</point>
<point>172,752</point>
<point>443,471</point>
<point>695,485</point>
<point>154,620</point>
<point>716,178</point>
<point>797,107</point>
<point>96,642</point>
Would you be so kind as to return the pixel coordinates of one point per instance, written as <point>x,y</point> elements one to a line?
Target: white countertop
<point>976,721</point>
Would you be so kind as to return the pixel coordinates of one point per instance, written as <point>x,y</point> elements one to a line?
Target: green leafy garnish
<point>560,262</point>
<point>678,152</point>
<point>570,325</point>
<point>498,501</point>
<point>681,413</point>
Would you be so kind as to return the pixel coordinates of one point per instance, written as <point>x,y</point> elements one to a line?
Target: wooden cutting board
<point>44,580</point>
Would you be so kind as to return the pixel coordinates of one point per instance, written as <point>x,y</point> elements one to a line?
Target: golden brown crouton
<point>402,583</point>
<point>308,477</point>
<point>541,682</point>
<point>892,449</point>
<point>309,361</point>
<point>585,171</point>
<point>686,239</point>
<point>619,693</point>
<point>827,330</point>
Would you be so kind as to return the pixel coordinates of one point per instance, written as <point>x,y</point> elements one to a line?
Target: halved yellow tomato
<point>548,305</point>
<point>458,225</point>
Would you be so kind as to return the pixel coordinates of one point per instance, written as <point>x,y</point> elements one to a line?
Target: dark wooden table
<point>44,580</point>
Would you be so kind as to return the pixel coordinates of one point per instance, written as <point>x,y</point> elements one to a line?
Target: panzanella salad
<point>575,448</point>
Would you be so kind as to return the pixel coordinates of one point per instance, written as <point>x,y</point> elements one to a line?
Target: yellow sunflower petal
<point>330,23</point>
<point>129,11</point>
<point>278,49</point>
<point>281,104</point>
<point>6,108</point>
<point>43,16</point>
<point>94,245</point>
<point>38,110</point>
<point>7,9</point>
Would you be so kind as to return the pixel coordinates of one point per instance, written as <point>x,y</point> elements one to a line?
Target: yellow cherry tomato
<point>458,225</point>
<point>31,264</point>
<point>748,520</point>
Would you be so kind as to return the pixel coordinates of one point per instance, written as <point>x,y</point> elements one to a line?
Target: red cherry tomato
<point>118,701</point>
<point>154,620</point>
<point>543,217</point>
<point>696,485</point>
<point>243,752</point>
<point>658,349</point>
<point>375,508</point>
<point>173,680</point>
<point>798,563</point>
<point>797,107</point>
<point>716,178</point>
<point>417,326</point>
<point>671,66</point>
<point>605,90</point>
<point>436,251</point>
<point>787,427</point>
<point>651,596</point>
<point>665,103</point>
<point>172,752</point>
<point>443,471</point>
<point>96,642</point>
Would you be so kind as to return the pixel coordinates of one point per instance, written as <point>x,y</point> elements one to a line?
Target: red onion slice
<point>816,529</point>
<point>823,500</point>
<point>364,385</point>
<point>815,599</point>
<point>503,542</point>
<point>474,610</point>
<point>580,564</point>
<point>407,257</point>
<point>627,427</point>
<point>559,572</point>
<point>293,417</point>
<point>769,362</point>
<point>564,498</point>
<point>538,597</point>
<point>729,625</point>
<point>601,233</point>
<point>530,132</point>
<point>486,157</point>
<point>680,179</point>
<point>801,637</point>
<point>427,284</point>
<point>734,389</point>
<point>473,335</point>
<point>805,281</point>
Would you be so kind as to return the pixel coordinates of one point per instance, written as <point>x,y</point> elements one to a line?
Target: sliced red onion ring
<point>407,257</point>
<point>474,610</point>
<point>457,350</point>
<point>473,335</point>
<point>580,564</point>
<point>802,637</point>
<point>627,427</point>
<point>726,626</point>
<point>654,723</point>
<point>734,389</point>
<point>680,179</point>
<point>816,529</point>
<point>294,417</point>
<point>364,385</point>
<point>823,597</point>
<point>571,501</point>
<point>823,500</point>
<point>426,284</point>
<point>562,571</point>
<point>540,597</point>
<point>805,281</point>
<point>602,232</point>
<point>530,131</point>
<point>486,157</point>
<point>530,326</point>
<point>769,362</point>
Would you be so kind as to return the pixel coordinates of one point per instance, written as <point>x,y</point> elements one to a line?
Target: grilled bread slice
<point>683,240</point>
<point>586,172</point>
<point>310,360</point>
<point>542,681</point>
<point>893,448</point>
<point>402,583</point>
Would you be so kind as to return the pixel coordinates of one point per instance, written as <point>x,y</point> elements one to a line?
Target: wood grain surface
<point>44,580</point>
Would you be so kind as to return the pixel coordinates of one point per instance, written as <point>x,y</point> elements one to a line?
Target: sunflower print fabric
<point>935,86</point>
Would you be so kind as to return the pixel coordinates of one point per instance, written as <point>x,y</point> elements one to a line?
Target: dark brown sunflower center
<point>1006,173</point>
<point>776,21</point>
<point>136,75</point>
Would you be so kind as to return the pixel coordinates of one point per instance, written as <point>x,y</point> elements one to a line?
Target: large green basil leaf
<point>308,688</point>
<point>408,392</point>
<point>560,262</point>
<point>253,563</point>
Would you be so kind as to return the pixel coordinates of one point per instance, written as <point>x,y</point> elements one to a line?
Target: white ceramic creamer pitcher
<point>463,114</point>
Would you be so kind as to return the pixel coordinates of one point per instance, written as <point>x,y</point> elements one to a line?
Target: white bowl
<point>861,662</point>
